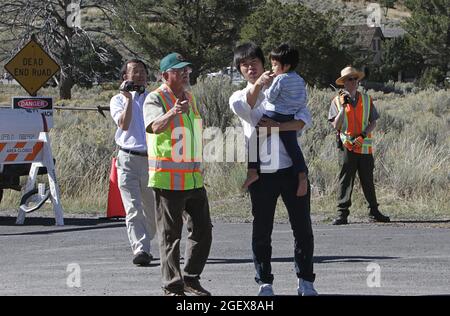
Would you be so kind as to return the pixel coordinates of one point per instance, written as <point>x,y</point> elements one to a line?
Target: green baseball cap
<point>173,60</point>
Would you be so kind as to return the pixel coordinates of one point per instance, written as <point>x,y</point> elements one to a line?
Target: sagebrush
<point>412,144</point>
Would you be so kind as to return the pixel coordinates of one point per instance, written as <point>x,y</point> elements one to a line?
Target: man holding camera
<point>354,116</point>
<point>132,162</point>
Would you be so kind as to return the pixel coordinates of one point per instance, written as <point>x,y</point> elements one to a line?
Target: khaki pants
<point>171,208</point>
<point>138,200</point>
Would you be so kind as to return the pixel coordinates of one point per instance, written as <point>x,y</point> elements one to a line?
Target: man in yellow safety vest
<point>174,138</point>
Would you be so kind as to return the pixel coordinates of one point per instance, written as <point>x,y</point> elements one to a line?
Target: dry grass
<point>412,156</point>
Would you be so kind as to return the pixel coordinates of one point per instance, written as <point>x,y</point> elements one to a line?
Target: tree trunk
<point>66,81</point>
<point>65,86</point>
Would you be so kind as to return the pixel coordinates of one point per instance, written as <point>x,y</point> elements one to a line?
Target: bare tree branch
<point>47,20</point>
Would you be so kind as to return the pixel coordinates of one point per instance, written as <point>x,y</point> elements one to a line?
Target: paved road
<point>34,260</point>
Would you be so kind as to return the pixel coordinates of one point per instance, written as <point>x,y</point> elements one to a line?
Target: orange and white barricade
<point>24,139</point>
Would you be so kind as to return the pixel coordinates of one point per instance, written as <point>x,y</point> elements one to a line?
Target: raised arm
<point>253,92</point>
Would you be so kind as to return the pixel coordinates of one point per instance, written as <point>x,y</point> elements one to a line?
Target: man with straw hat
<point>354,116</point>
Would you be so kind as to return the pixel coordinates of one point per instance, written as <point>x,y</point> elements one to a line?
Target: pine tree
<point>429,32</point>
<point>316,35</point>
<point>203,31</point>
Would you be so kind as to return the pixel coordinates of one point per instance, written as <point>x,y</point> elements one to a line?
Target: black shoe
<point>142,259</point>
<point>168,292</point>
<point>192,285</point>
<point>376,216</point>
<point>340,220</point>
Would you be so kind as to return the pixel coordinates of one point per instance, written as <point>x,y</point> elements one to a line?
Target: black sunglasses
<point>352,79</point>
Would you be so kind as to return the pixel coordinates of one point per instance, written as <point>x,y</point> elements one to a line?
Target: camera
<point>346,96</point>
<point>130,86</point>
<point>346,99</point>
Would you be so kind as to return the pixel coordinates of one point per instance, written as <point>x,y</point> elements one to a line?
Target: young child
<point>285,97</point>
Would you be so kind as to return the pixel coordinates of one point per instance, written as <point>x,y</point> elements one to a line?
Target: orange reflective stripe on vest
<point>168,102</point>
<point>173,165</point>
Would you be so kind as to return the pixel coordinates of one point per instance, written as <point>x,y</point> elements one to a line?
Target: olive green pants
<point>351,163</point>
<point>172,207</point>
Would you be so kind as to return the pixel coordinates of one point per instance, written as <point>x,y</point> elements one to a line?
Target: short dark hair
<point>123,70</point>
<point>245,51</point>
<point>285,54</point>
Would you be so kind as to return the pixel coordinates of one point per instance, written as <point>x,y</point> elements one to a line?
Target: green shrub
<point>412,158</point>
<point>212,95</point>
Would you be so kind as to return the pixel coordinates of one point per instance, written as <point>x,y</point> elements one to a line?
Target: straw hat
<point>349,72</point>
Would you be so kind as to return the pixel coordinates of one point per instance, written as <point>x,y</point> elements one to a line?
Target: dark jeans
<point>264,194</point>
<point>289,139</point>
<point>171,208</point>
<point>350,164</point>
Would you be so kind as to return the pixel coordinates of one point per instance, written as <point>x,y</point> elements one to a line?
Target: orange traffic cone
<point>115,204</point>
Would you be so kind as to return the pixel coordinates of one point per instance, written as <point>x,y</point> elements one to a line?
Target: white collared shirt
<point>134,137</point>
<point>250,117</point>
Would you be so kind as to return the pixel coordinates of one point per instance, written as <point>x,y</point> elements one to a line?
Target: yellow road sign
<point>32,67</point>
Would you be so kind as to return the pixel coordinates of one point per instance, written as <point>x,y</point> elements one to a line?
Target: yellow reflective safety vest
<point>356,120</point>
<point>175,155</point>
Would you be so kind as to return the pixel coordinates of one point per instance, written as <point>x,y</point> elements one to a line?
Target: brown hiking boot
<point>192,285</point>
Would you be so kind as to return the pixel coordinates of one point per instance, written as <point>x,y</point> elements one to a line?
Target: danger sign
<point>42,105</point>
<point>33,103</point>
<point>32,67</point>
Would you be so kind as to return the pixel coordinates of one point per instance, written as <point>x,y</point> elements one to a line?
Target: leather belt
<point>132,152</point>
